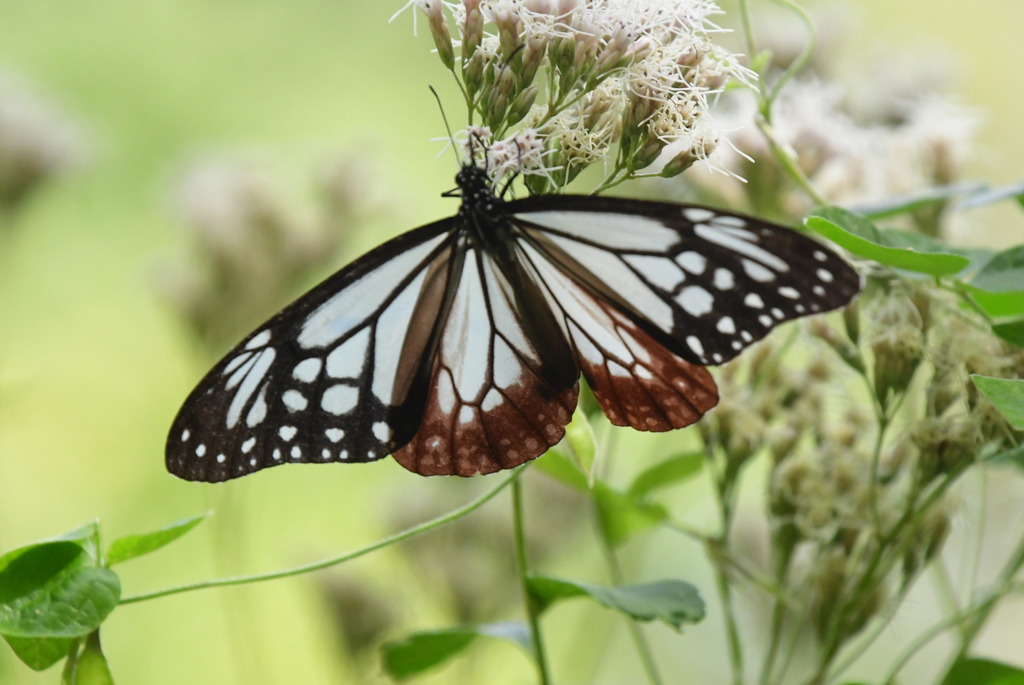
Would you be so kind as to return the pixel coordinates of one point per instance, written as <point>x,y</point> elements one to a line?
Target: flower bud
<point>434,10</point>
<point>472,29</point>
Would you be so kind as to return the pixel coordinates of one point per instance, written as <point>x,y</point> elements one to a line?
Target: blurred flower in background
<point>893,130</point>
<point>38,142</point>
<point>252,244</point>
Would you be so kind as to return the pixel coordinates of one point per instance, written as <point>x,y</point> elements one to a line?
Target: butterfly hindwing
<point>338,375</point>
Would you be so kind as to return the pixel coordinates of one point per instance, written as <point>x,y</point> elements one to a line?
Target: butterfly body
<point>457,347</point>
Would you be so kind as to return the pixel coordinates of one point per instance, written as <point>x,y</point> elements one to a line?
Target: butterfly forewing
<point>705,284</point>
<point>339,375</point>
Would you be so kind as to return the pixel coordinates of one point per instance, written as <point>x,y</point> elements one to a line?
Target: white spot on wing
<point>248,445</point>
<point>695,345</point>
<point>200,450</point>
<point>221,459</point>
<point>294,400</point>
<point>296,452</point>
<point>697,214</point>
<point>791,293</point>
<point>334,434</point>
<point>184,434</point>
<point>695,300</point>
<point>693,262</point>
<point>825,275</point>
<point>307,370</point>
<point>339,399</point>
<point>382,431</point>
<point>726,325</point>
<point>730,221</point>
<point>754,301</point>
<point>287,432</point>
<point>724,279</point>
<point>258,340</point>
<point>491,400</point>
<point>758,272</point>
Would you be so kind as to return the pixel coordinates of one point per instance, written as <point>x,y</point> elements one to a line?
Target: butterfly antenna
<point>446,126</point>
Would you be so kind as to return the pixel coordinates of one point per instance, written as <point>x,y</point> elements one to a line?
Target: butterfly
<point>457,347</point>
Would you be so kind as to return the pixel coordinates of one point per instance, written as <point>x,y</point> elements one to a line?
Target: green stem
<point>724,480</point>
<point>798,63</point>
<point>325,563</point>
<point>643,648</point>
<point>715,547</point>
<point>532,613</point>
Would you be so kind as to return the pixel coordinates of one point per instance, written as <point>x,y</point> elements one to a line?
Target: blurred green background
<point>94,363</point>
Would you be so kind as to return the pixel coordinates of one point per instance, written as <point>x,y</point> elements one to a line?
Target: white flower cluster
<point>553,86</point>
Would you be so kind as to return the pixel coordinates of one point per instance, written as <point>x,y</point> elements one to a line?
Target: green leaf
<point>622,516</point>
<point>913,201</point>
<point>132,546</point>
<point>91,666</point>
<point>558,465</point>
<point>422,651</point>
<point>669,472</point>
<point>1004,273</point>
<point>983,672</point>
<point>52,589</point>
<point>39,653</point>
<point>673,602</point>
<point>1006,394</point>
<point>1011,331</point>
<point>87,537</point>
<point>997,305</point>
<point>859,235</point>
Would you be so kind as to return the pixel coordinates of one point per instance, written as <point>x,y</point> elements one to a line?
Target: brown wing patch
<point>510,427</point>
<point>652,389</point>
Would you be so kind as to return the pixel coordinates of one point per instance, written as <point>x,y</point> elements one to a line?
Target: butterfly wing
<point>339,375</point>
<point>504,384</point>
<point>648,293</point>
